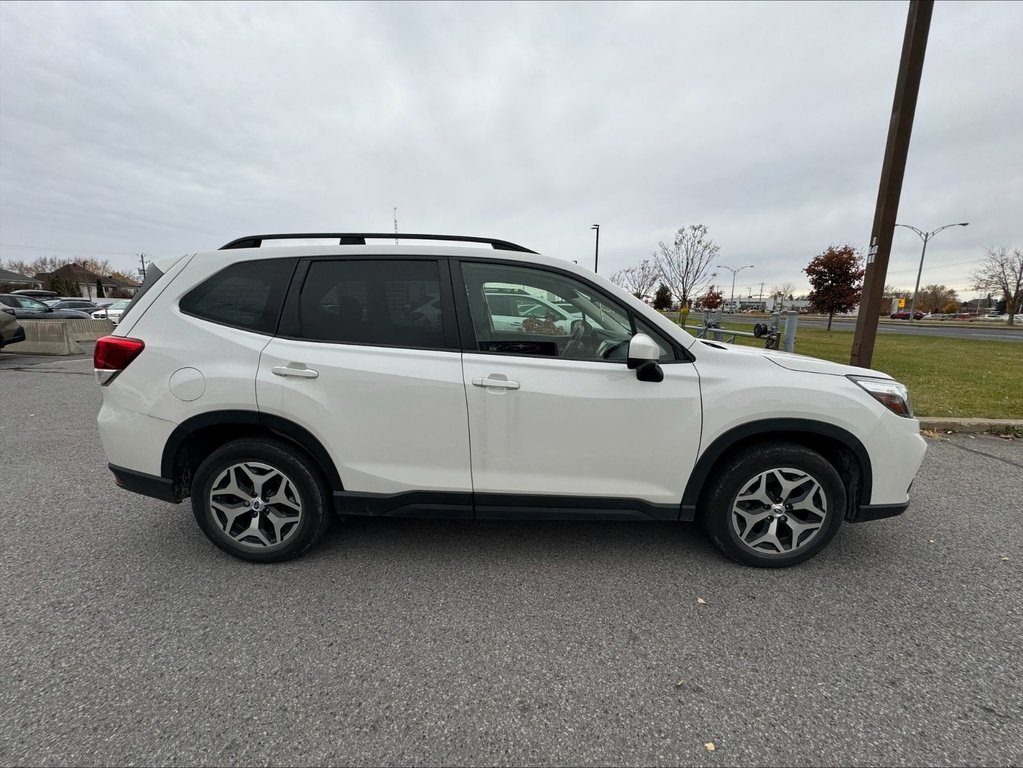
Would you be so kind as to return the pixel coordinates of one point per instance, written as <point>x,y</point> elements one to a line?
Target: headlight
<point>891,394</point>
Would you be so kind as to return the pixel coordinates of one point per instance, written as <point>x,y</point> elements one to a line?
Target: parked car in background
<point>509,310</point>
<point>27,308</point>
<point>36,293</point>
<point>81,305</point>
<point>11,331</point>
<point>113,312</point>
<point>904,315</point>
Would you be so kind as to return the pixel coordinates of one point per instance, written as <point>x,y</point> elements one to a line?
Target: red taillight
<point>113,354</point>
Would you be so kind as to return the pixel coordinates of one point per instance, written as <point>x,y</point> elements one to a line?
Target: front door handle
<point>479,381</point>
<point>287,370</point>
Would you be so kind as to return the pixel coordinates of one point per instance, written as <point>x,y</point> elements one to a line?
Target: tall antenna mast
<point>395,225</point>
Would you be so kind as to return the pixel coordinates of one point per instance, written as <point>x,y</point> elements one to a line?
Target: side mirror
<point>643,356</point>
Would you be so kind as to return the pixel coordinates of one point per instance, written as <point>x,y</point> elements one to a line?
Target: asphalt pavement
<point>126,638</point>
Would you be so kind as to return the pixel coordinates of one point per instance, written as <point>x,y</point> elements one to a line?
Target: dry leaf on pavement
<point>701,601</point>
<point>709,746</point>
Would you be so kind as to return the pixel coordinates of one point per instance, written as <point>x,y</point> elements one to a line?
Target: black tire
<point>776,461</point>
<point>301,483</point>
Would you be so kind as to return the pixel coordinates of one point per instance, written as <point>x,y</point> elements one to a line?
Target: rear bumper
<point>148,485</point>
<point>867,512</point>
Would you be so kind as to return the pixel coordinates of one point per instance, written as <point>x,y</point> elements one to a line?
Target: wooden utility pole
<point>914,45</point>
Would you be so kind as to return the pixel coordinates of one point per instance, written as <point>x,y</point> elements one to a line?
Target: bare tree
<point>934,298</point>
<point>639,280</point>
<point>683,264</point>
<point>781,292</point>
<point>1003,271</point>
<point>39,264</point>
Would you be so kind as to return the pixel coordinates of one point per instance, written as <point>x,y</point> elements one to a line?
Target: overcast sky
<point>171,128</point>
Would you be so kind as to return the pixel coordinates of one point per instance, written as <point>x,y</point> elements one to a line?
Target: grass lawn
<point>946,377</point>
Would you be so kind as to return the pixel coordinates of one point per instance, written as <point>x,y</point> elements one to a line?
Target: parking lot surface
<point>127,637</point>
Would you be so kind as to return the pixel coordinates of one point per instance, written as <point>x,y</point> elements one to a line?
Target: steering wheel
<point>612,348</point>
<point>580,330</point>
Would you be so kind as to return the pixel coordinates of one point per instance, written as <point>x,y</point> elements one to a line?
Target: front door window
<point>529,311</point>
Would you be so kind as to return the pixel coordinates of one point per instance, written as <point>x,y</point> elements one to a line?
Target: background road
<point>988,332</point>
<point>127,638</point>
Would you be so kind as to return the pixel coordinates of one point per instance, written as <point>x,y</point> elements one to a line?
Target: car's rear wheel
<point>260,500</point>
<point>774,505</point>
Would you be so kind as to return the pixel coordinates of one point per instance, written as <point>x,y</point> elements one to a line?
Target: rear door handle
<point>287,370</point>
<point>479,381</point>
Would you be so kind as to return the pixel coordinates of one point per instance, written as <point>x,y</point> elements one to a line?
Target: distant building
<point>12,281</point>
<point>82,282</point>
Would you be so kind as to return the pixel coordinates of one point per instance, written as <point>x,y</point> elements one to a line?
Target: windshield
<point>29,303</point>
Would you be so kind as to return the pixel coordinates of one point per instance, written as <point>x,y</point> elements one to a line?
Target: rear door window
<point>387,302</point>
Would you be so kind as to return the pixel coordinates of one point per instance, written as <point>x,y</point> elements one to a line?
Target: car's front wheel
<point>260,500</point>
<point>774,505</point>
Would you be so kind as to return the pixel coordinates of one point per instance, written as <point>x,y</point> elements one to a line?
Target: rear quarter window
<point>248,295</point>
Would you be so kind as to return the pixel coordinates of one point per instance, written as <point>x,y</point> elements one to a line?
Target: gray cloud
<point>168,128</point>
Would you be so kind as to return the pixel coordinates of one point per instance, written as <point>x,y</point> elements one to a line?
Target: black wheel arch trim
<point>767,427</point>
<point>288,430</point>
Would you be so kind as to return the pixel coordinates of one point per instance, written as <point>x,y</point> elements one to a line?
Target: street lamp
<point>596,247</point>
<point>925,236</point>
<point>734,272</point>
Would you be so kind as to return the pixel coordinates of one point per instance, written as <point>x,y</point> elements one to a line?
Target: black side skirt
<point>449,505</point>
<point>489,506</point>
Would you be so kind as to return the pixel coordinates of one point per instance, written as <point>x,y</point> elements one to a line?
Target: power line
<point>937,266</point>
<point>65,250</point>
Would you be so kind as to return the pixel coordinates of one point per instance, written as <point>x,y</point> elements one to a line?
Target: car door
<point>32,309</point>
<point>378,380</point>
<point>559,425</point>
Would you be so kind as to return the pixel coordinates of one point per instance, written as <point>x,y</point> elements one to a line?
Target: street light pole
<point>596,247</point>
<point>734,272</point>
<point>926,237</point>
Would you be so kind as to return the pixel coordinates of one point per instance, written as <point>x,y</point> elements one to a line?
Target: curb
<point>972,426</point>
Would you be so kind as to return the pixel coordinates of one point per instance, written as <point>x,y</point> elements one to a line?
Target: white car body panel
<point>743,384</point>
<point>119,432</point>
<point>226,358</point>
<point>573,427</point>
<point>392,420</point>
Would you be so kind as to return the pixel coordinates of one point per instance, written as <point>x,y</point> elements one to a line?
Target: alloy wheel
<point>256,505</point>
<point>779,511</point>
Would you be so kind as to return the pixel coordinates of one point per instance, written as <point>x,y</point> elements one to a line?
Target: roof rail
<point>350,238</point>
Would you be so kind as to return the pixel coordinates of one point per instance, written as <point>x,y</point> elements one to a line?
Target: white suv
<point>277,386</point>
